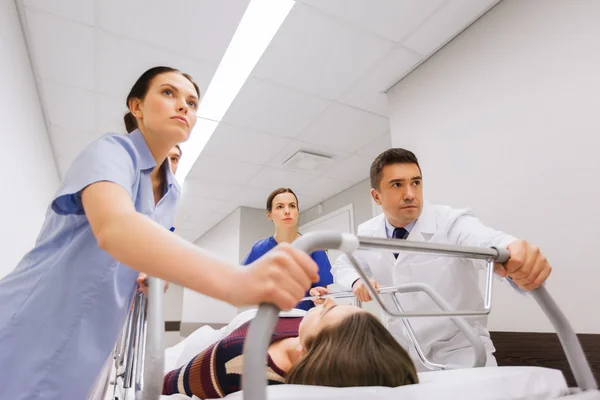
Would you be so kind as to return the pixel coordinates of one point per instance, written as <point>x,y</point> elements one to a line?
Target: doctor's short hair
<point>389,157</point>
<point>180,152</point>
<point>276,192</point>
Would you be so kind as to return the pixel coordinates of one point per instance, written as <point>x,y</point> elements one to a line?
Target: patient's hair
<point>359,351</point>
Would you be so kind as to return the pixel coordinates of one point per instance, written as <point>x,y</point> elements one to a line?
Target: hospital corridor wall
<point>504,120</point>
<point>231,239</point>
<point>27,161</point>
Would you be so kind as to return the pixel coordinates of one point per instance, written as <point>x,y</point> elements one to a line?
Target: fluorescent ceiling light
<point>258,25</point>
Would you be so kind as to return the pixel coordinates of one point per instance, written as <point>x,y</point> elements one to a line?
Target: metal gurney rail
<point>254,380</point>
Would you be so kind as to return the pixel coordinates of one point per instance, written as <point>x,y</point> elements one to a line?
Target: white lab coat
<point>455,279</point>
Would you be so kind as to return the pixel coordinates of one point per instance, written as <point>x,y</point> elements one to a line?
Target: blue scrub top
<point>64,305</point>
<point>320,257</point>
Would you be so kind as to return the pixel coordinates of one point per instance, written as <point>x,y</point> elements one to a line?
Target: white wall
<point>224,241</point>
<point>27,162</point>
<point>358,195</point>
<point>505,120</point>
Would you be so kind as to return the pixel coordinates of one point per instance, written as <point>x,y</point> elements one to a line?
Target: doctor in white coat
<point>396,183</point>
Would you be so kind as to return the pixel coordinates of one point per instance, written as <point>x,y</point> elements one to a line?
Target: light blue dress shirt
<point>64,305</point>
<point>389,228</point>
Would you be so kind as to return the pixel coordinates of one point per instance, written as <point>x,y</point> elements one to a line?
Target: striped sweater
<point>217,371</point>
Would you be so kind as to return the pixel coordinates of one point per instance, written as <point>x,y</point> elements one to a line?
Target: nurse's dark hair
<point>389,157</point>
<point>274,193</point>
<point>359,351</point>
<point>140,89</point>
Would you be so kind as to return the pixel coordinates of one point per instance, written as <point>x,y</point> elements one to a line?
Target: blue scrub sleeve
<point>251,256</point>
<point>108,159</point>
<point>325,276</point>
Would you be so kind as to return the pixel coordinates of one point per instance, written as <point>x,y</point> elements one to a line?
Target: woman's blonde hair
<point>359,351</point>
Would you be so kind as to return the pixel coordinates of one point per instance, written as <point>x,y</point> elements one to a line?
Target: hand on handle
<point>527,266</point>
<point>142,281</point>
<point>359,288</point>
<point>280,277</point>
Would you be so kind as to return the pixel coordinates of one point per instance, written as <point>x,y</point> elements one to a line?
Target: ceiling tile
<point>63,51</point>
<point>252,197</point>
<point>324,60</point>
<point>272,178</point>
<point>369,92</point>
<point>224,169</point>
<point>270,108</point>
<point>121,61</point>
<point>377,146</point>
<point>345,127</point>
<point>446,23</point>
<point>324,188</point>
<point>353,169</point>
<point>391,19</point>
<point>198,28</point>
<point>207,188</point>
<point>317,148</point>
<point>244,145</point>
<point>76,10</point>
<point>69,107</point>
<point>189,235</point>
<point>109,114</point>
<point>192,206</point>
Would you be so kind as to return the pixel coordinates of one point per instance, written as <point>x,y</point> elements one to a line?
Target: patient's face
<point>327,314</point>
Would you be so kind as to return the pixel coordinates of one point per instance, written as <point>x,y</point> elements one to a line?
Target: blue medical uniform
<point>320,257</point>
<point>64,305</point>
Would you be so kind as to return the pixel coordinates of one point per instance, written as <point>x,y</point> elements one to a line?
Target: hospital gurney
<point>255,348</point>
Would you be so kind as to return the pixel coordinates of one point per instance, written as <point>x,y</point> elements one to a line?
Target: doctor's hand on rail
<point>142,281</point>
<point>527,266</point>
<point>360,289</point>
<point>281,277</point>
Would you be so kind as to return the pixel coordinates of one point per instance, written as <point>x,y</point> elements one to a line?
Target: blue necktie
<point>399,233</point>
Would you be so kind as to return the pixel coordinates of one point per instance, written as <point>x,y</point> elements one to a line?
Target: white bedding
<point>494,383</point>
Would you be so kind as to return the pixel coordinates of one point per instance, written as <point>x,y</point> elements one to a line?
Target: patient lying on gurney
<point>332,345</point>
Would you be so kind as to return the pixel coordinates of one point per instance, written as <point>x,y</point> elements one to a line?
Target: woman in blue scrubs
<point>64,305</point>
<point>283,211</point>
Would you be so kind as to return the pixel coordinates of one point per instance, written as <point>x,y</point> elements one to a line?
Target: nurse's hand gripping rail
<point>254,380</point>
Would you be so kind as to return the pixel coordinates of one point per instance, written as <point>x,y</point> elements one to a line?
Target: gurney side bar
<point>254,380</point>
<point>568,339</point>
<point>371,243</point>
<point>154,349</point>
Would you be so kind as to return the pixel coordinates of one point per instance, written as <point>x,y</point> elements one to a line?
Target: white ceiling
<point>318,86</point>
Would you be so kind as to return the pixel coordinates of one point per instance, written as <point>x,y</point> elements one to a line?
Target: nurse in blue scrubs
<point>283,211</point>
<point>64,305</point>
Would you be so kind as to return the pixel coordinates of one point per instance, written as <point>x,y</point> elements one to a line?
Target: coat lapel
<point>422,231</point>
<point>378,231</point>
